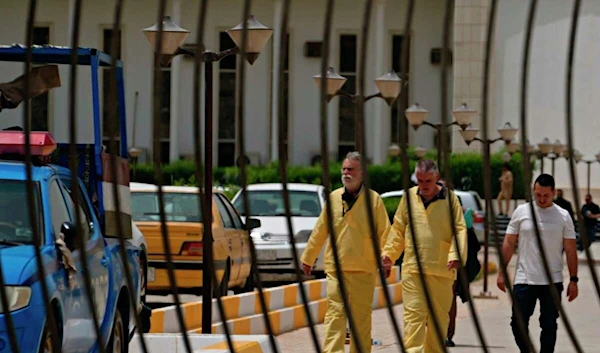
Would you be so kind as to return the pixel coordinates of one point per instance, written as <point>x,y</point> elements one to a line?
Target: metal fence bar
<point>461,272</point>
<point>283,135</point>
<point>360,126</point>
<point>490,217</point>
<point>76,20</point>
<point>50,314</point>
<point>239,113</point>
<point>524,81</point>
<point>569,122</point>
<point>112,99</point>
<point>157,80</point>
<point>325,166</point>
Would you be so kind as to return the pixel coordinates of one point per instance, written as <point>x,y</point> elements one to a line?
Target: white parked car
<point>469,199</point>
<point>271,240</point>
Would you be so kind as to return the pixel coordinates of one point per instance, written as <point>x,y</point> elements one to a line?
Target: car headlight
<point>302,236</point>
<point>17,297</point>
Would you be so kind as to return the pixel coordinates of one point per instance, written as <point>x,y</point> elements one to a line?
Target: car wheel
<point>118,342</point>
<point>221,290</point>
<point>49,343</point>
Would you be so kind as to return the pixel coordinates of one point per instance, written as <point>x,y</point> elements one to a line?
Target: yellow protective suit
<point>358,262</point>
<point>436,248</point>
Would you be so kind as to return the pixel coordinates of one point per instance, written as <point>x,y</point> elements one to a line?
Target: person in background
<point>506,189</point>
<point>472,269</point>
<point>591,213</point>
<point>562,202</point>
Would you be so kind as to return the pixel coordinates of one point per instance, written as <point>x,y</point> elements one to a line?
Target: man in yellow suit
<point>356,254</point>
<point>438,255</point>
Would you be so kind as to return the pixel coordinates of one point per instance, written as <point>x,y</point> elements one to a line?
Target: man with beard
<point>352,236</point>
<point>438,255</point>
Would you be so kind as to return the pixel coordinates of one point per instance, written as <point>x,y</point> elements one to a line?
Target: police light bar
<point>13,142</point>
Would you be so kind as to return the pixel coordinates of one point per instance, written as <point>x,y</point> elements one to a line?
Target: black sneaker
<point>450,343</point>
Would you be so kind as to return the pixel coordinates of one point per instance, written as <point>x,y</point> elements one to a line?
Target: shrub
<point>382,178</point>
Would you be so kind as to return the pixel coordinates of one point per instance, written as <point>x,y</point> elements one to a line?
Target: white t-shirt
<point>555,224</point>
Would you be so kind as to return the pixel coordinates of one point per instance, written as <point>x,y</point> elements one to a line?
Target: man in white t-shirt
<point>531,282</point>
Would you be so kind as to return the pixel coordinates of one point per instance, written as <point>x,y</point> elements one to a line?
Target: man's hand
<point>500,282</point>
<point>306,269</point>
<point>572,291</point>
<point>453,264</point>
<point>387,265</point>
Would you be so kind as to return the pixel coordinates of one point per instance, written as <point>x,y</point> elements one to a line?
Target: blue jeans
<point>526,297</point>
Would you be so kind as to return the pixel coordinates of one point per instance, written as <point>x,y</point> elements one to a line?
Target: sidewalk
<point>494,316</point>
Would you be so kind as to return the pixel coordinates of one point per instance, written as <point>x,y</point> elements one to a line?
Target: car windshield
<point>15,225</point>
<point>179,207</point>
<point>270,203</point>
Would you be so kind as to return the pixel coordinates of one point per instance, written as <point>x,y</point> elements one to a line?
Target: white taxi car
<point>271,240</point>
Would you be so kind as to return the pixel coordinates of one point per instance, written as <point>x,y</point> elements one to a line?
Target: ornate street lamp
<point>172,37</point>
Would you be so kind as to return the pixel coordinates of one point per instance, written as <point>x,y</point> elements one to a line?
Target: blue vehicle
<point>56,222</point>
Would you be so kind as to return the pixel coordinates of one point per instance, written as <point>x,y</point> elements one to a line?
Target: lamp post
<point>416,116</point>
<point>420,152</point>
<point>389,85</point>
<point>172,37</point>
<point>134,154</point>
<point>557,151</point>
<point>579,158</point>
<point>507,134</point>
<point>544,149</point>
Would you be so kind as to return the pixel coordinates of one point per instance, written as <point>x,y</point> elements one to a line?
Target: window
<point>397,41</point>
<point>270,203</point>
<point>227,222</point>
<point>58,208</point>
<point>179,207</point>
<point>85,216</point>
<point>15,220</point>
<point>227,104</point>
<point>237,222</point>
<point>346,128</point>
<point>107,38</point>
<point>40,104</point>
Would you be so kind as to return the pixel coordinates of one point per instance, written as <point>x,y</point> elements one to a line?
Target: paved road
<point>494,316</point>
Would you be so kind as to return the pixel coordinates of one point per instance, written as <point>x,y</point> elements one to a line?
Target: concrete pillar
<point>381,136</point>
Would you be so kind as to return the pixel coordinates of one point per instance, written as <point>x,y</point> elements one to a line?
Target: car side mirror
<point>252,223</point>
<point>69,232</point>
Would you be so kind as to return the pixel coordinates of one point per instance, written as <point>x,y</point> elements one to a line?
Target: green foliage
<point>382,178</point>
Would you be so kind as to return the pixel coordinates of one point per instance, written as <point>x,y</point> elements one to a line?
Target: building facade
<point>546,92</point>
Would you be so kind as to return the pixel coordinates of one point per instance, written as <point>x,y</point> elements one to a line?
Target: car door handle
<point>104,261</point>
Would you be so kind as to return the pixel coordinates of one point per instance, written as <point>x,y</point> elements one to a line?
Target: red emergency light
<point>13,142</point>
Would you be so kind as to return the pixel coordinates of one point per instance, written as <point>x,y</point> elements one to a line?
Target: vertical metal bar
<point>524,82</point>
<point>589,176</point>
<point>157,80</point>
<point>325,165</point>
<point>112,104</point>
<point>361,140</point>
<point>553,160</point>
<point>570,134</point>
<point>122,110</point>
<point>33,216</point>
<point>283,159</point>
<point>402,123</point>
<point>242,148</point>
<point>73,162</point>
<point>207,239</point>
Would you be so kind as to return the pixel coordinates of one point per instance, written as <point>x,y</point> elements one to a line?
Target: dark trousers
<point>527,296</point>
<point>452,313</point>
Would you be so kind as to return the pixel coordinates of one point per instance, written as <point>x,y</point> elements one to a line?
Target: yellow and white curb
<point>290,319</point>
<point>173,343</point>
<point>284,300</point>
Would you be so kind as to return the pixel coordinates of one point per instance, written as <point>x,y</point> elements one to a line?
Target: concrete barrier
<point>247,305</point>
<point>173,343</point>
